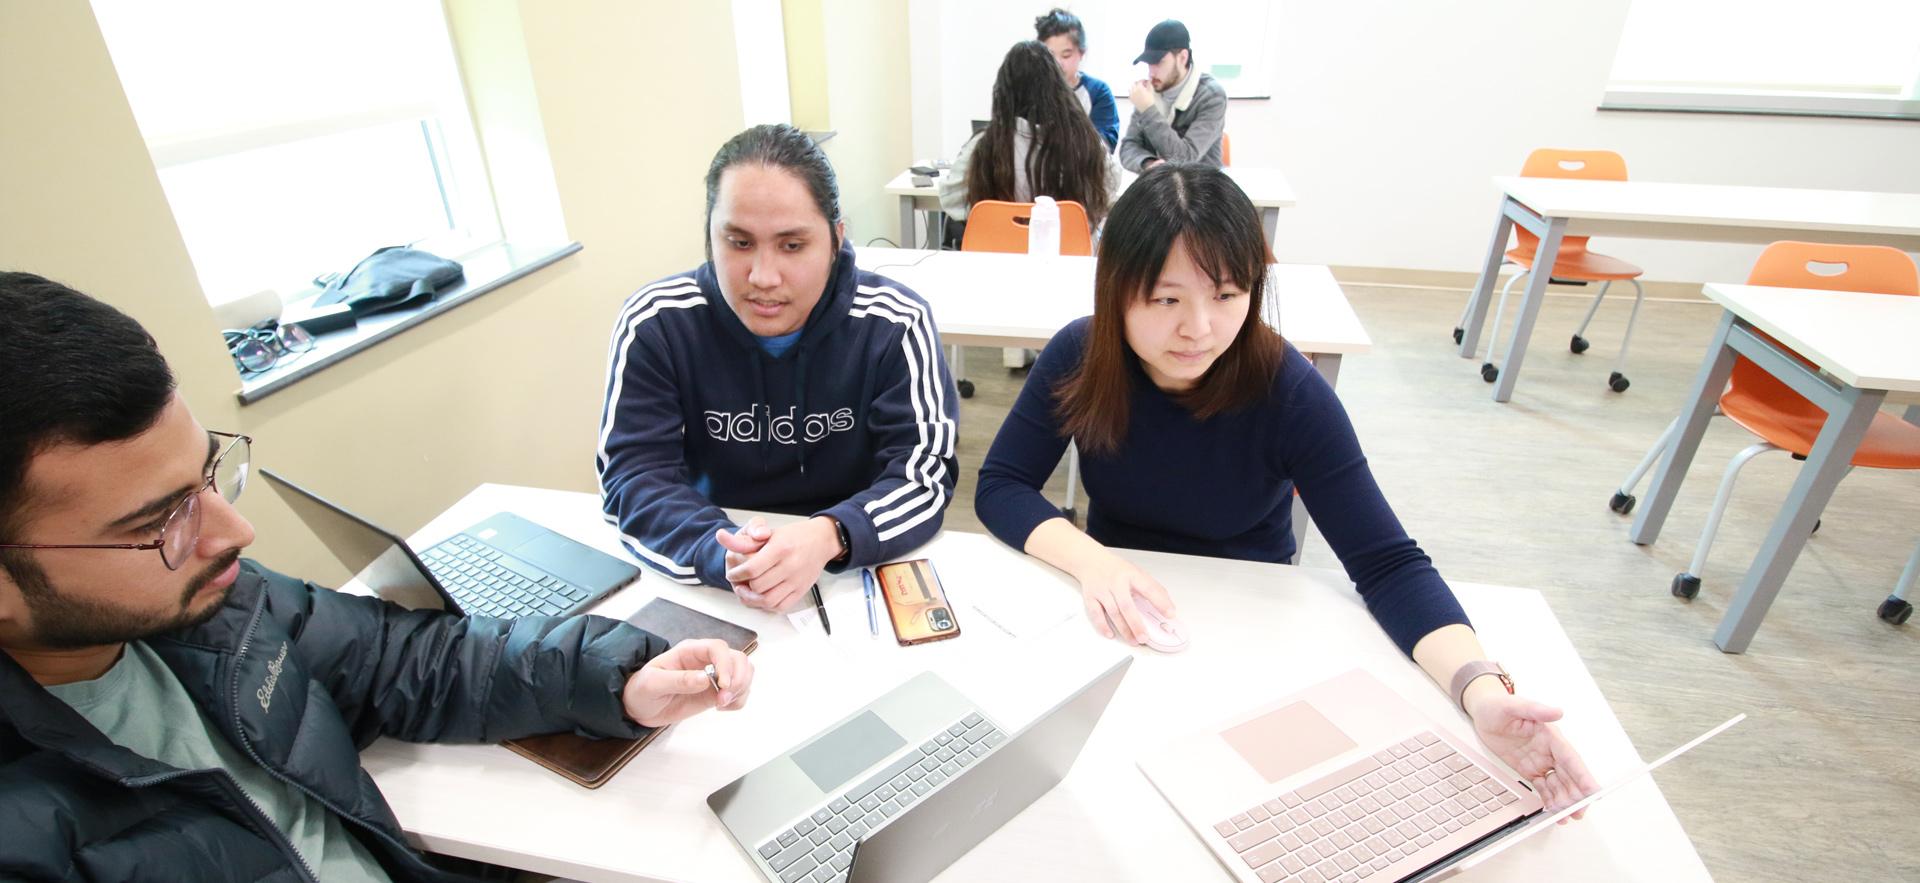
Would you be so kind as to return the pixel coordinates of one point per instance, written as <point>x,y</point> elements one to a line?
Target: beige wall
<point>505,389</point>
<point>847,73</point>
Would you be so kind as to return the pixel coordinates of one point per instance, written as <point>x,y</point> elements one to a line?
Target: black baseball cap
<point>1165,37</point>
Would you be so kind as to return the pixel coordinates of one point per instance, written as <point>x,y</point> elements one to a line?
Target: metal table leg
<point>906,222</point>
<point>1529,309</point>
<point>1483,289</point>
<point>1832,454</point>
<point>1688,428</point>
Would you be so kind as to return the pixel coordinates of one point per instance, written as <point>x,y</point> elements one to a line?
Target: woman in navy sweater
<point>1195,422</point>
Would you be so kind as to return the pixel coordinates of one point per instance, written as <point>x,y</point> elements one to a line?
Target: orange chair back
<point>993,225</point>
<point>1591,165</point>
<point>1877,269</point>
<point>1226,149</point>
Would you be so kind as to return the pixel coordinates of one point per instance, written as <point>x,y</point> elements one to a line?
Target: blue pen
<point>866,576</point>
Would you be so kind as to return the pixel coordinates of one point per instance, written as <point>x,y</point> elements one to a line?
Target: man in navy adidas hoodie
<point>777,376</point>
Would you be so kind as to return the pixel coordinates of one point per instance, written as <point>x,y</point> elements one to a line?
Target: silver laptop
<point>902,788</point>
<point>504,567</point>
<point>1346,782</point>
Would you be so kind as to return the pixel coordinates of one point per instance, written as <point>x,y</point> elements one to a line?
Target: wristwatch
<point>846,542</point>
<point>1472,671</point>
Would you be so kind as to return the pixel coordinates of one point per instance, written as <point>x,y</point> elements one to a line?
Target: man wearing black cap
<point>1179,113</point>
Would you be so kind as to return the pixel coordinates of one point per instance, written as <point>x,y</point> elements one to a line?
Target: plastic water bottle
<point>1043,230</point>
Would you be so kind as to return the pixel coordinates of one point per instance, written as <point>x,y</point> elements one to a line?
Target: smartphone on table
<point>916,603</point>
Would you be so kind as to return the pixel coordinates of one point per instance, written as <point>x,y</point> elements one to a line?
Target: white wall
<point>1389,118</point>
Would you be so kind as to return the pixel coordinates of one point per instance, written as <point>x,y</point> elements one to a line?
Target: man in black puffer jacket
<point>169,711</point>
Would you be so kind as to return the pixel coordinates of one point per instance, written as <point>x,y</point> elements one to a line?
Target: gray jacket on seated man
<point>1187,117</point>
<point>1184,126</point>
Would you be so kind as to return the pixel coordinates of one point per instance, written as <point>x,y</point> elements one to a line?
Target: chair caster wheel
<point>1685,586</point>
<point>1622,502</point>
<point>1073,515</point>
<point>1617,382</point>
<point>1459,334</point>
<point>1578,345</point>
<point>966,389</point>
<point>1894,611</point>
<point>1489,373</point>
<point>1816,527</point>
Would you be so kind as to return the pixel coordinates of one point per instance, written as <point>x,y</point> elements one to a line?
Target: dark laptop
<point>505,566</point>
<point>979,126</point>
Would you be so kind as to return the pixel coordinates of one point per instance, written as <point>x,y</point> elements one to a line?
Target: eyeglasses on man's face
<point>179,528</point>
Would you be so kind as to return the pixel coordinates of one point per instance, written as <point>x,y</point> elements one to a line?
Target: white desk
<point>1863,347</point>
<point>1017,300</point>
<point>1553,208</point>
<point>1105,822</point>
<point>1268,188</point>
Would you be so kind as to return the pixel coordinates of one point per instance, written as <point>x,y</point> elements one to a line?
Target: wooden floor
<point>1821,782</point>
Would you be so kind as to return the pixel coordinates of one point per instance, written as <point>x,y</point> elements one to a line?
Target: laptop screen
<point>382,560</point>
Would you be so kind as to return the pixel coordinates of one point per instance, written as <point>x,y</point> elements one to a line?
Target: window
<point>294,139</point>
<point>1838,58</point>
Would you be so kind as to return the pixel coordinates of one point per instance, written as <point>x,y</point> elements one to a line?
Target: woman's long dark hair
<point>1067,159</point>
<point>1200,208</point>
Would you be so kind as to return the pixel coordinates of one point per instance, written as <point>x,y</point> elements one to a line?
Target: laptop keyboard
<point>820,848</point>
<point>487,583</point>
<point>1356,822</point>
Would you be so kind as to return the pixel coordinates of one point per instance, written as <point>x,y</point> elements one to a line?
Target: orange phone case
<point>916,603</point>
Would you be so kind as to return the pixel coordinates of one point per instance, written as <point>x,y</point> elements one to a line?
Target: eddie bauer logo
<point>265,693</point>
<point>756,423</point>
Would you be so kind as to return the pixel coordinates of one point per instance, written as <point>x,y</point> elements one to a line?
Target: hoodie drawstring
<point>800,396</point>
<point>760,395</point>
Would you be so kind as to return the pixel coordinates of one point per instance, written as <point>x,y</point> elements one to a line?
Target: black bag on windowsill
<point>391,278</point>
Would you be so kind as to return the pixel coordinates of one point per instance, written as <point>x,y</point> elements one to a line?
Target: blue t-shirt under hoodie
<point>854,419</point>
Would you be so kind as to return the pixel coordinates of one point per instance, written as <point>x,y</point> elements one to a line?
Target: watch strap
<point>1472,671</point>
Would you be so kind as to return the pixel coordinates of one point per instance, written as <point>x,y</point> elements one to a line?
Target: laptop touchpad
<point>850,748</point>
<point>1287,740</point>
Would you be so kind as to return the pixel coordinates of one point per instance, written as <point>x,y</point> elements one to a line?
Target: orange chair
<point>993,225</point>
<point>1574,263</point>
<point>1226,150</point>
<point>1783,419</point>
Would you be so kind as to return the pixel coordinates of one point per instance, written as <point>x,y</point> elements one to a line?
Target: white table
<point>1864,350</point>
<point>1105,821</point>
<point>1268,189</point>
<point>1017,300</point>
<point>1553,208</point>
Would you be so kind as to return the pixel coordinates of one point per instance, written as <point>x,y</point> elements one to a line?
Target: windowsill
<point>488,269</point>
<point>1762,104</point>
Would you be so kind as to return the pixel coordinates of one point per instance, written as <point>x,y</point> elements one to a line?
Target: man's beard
<point>65,623</point>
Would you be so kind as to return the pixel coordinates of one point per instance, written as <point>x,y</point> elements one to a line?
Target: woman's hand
<point>1107,587</point>
<point>1521,733</point>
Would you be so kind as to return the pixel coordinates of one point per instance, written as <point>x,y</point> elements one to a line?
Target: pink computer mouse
<point>1162,634</point>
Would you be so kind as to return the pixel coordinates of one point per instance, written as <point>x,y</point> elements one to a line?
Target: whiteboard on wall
<point>1232,40</point>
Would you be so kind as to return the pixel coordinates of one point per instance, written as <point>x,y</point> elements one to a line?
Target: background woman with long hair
<point>1038,143</point>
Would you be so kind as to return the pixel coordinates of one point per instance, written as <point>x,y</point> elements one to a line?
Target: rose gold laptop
<point>1346,782</point>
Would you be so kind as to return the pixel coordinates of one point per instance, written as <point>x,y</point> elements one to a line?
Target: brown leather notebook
<point>591,762</point>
